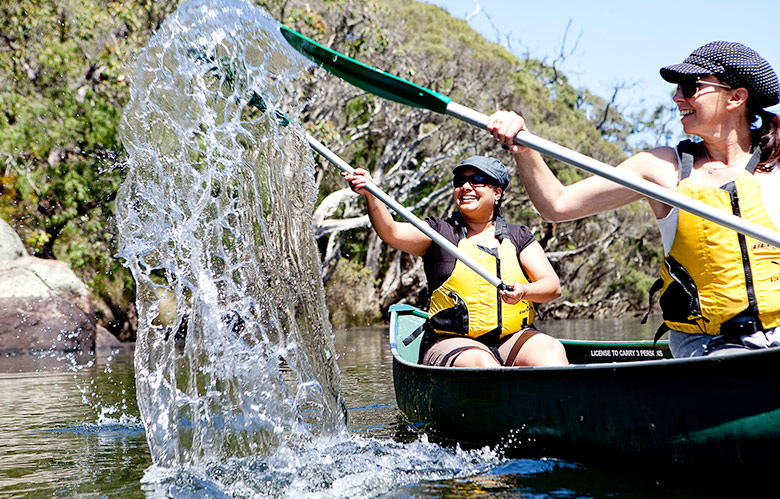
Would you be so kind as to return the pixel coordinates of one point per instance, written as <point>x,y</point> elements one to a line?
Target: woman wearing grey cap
<point>720,290</point>
<point>470,323</point>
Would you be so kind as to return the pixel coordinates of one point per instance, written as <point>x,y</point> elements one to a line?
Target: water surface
<point>78,434</point>
<point>75,431</point>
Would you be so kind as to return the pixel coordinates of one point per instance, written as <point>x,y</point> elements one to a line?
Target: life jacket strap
<point>662,329</point>
<point>656,287</point>
<point>687,151</point>
<point>409,339</point>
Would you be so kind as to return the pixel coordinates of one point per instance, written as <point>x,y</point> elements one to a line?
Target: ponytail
<point>767,137</point>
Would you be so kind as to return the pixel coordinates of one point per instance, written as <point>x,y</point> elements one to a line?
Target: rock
<point>11,246</point>
<point>105,339</point>
<point>43,305</point>
<point>50,323</point>
<point>40,277</point>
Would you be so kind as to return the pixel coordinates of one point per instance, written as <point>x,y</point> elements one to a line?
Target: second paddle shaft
<point>408,215</point>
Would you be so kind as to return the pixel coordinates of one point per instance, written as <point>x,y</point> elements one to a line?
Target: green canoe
<point>618,401</point>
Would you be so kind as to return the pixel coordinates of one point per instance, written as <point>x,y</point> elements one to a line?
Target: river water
<point>71,428</point>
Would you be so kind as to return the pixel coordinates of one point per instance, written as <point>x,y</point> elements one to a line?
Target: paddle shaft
<point>408,215</point>
<point>636,184</point>
<point>407,93</point>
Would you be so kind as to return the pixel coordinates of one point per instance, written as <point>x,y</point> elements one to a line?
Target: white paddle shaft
<point>408,215</point>
<point>632,182</point>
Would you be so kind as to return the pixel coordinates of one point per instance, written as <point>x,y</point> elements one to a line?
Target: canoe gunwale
<point>595,344</point>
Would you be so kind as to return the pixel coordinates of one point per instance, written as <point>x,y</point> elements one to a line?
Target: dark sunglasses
<point>690,87</point>
<point>475,180</point>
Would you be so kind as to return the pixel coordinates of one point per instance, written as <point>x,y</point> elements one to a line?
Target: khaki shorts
<point>444,352</point>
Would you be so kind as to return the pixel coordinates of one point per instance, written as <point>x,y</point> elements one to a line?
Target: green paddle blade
<point>369,79</point>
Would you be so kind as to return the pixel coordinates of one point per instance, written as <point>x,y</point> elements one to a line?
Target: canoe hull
<point>676,411</point>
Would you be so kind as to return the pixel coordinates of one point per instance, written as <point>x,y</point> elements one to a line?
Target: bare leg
<point>475,357</point>
<point>534,348</point>
<point>460,352</point>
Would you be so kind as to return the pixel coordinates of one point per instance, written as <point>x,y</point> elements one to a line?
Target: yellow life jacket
<point>467,305</point>
<point>713,274</point>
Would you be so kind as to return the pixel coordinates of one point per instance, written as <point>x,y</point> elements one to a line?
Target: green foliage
<point>63,83</point>
<point>62,87</point>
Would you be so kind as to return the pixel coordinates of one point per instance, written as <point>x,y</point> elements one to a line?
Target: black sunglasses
<point>475,180</point>
<point>690,87</point>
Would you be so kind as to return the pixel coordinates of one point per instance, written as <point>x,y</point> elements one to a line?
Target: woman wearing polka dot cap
<point>720,290</point>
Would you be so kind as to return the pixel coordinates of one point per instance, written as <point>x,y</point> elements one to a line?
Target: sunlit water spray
<point>91,369</point>
<point>235,365</point>
<point>216,228</point>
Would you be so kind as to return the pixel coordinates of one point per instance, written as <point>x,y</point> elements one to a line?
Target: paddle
<point>408,215</point>
<point>396,89</point>
<point>258,102</point>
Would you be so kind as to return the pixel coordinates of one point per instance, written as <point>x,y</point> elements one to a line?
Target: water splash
<point>93,377</point>
<point>215,225</point>
<point>235,365</point>
<point>357,467</point>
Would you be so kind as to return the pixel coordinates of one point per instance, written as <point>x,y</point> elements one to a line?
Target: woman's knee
<point>542,350</point>
<point>557,353</point>
<point>475,357</point>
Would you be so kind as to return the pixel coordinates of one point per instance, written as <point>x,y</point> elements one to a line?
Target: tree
<point>63,84</point>
<point>62,88</point>
<point>410,152</point>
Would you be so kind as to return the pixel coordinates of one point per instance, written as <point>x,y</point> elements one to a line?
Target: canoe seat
<point>408,320</point>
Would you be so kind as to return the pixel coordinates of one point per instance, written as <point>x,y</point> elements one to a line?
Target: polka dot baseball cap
<point>733,64</point>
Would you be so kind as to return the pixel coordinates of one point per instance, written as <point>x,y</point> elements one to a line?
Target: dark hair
<point>767,137</point>
<point>497,207</point>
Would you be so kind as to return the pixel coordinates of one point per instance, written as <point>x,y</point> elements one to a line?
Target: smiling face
<point>705,105</point>
<point>476,202</point>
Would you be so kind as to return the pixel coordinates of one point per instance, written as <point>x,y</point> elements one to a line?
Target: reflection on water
<point>367,384</point>
<point>612,329</point>
<point>70,426</point>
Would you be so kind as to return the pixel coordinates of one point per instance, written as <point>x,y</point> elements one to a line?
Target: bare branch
<point>330,204</point>
<point>340,225</point>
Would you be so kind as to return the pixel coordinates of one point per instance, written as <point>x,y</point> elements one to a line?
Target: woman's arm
<point>557,202</point>
<point>544,286</point>
<point>402,236</point>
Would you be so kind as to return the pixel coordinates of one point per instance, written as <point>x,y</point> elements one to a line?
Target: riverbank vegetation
<point>64,71</point>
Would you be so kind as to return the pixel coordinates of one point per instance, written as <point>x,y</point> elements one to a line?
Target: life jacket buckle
<point>741,327</point>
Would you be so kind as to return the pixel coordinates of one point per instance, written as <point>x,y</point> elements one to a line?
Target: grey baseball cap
<point>491,167</point>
